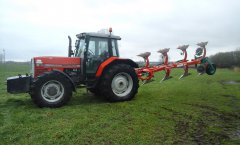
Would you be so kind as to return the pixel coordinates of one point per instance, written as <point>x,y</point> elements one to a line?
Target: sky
<point>31,28</point>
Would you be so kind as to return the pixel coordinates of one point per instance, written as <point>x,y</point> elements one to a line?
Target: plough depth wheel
<point>211,69</point>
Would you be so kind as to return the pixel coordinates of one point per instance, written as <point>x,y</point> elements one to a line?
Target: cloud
<point>35,28</point>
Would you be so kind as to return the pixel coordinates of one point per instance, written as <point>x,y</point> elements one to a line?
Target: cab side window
<point>103,49</point>
<point>114,48</point>
<point>92,48</point>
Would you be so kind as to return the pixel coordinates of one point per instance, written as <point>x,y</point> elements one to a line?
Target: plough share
<point>201,62</point>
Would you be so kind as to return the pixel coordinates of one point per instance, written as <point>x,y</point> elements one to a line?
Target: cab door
<point>97,52</point>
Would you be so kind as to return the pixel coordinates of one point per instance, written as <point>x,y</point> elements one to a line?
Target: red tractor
<point>95,63</point>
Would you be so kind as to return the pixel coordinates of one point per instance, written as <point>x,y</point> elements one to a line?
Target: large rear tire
<point>119,83</point>
<point>51,90</point>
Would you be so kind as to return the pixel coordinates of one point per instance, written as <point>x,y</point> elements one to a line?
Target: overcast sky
<point>40,27</point>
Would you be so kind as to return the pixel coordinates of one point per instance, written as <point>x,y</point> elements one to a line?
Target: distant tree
<point>227,59</point>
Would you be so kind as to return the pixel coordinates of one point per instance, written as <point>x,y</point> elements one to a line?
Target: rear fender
<point>113,61</point>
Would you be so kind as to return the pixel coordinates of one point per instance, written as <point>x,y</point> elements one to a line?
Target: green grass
<point>195,110</point>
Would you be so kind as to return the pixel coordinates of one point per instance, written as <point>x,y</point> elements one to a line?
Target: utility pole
<point>3,55</point>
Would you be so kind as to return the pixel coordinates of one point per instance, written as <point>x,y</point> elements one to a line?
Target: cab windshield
<point>80,46</point>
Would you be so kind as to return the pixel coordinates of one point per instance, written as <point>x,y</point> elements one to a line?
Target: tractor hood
<point>48,63</point>
<point>57,61</point>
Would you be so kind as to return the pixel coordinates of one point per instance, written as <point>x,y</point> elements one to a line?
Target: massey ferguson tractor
<point>95,64</point>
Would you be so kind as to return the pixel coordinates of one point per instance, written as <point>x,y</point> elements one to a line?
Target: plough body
<point>146,72</point>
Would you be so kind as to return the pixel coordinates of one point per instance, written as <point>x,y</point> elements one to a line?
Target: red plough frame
<point>147,72</point>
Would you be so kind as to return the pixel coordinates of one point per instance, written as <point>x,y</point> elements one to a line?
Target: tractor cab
<point>94,48</point>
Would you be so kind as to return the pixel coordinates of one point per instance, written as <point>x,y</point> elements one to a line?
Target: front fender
<point>69,78</point>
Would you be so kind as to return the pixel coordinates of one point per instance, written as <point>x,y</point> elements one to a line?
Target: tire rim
<point>122,84</point>
<point>52,91</point>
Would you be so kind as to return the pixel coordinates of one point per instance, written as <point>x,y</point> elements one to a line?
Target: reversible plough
<point>201,62</point>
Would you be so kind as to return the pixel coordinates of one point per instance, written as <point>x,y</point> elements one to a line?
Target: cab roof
<point>102,35</point>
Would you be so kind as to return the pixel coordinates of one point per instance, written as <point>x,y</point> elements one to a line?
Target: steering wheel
<point>90,53</point>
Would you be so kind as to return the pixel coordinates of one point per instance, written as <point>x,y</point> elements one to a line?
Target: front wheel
<point>119,83</point>
<point>51,90</point>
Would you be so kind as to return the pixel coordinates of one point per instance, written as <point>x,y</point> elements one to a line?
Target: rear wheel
<point>51,90</point>
<point>119,83</point>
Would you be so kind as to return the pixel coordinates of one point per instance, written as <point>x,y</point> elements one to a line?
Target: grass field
<point>195,110</point>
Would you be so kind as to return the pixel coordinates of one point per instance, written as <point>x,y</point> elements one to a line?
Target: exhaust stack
<point>70,52</point>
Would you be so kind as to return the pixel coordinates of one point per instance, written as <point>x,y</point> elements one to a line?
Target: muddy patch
<point>233,102</point>
<point>213,126</point>
<point>177,114</point>
<point>182,127</point>
<point>228,96</point>
<point>228,124</point>
<point>231,82</point>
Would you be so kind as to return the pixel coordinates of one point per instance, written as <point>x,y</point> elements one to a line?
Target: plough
<point>201,62</point>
